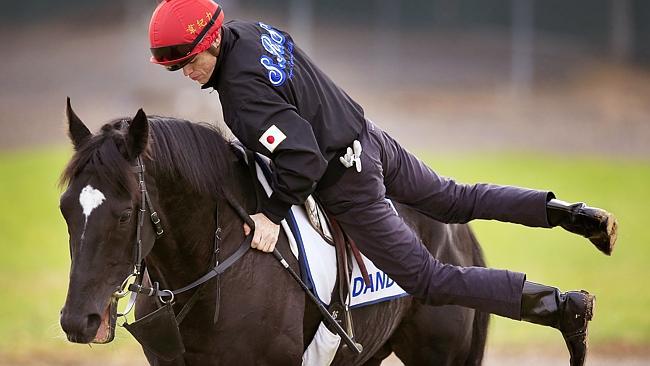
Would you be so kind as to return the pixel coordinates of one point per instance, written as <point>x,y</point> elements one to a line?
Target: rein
<point>217,270</point>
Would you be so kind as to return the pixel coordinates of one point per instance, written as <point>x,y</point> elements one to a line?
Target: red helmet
<point>180,29</point>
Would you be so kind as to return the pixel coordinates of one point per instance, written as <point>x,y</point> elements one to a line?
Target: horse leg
<point>435,335</point>
<point>379,356</point>
<point>311,321</point>
<point>154,361</point>
<point>455,244</point>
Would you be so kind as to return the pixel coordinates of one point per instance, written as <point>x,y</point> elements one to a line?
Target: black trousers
<point>388,170</point>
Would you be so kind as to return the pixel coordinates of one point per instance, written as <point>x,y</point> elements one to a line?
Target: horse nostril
<point>80,329</point>
<point>93,322</point>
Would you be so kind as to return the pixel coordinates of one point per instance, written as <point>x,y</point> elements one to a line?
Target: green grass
<point>34,251</point>
<point>33,242</point>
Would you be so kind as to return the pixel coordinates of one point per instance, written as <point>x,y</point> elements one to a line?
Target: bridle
<point>141,250</point>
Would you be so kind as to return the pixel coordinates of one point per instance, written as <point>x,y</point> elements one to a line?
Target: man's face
<point>201,68</point>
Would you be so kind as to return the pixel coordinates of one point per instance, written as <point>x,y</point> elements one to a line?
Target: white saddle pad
<point>318,258</point>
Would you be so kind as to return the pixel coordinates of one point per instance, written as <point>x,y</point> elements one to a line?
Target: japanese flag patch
<point>272,138</point>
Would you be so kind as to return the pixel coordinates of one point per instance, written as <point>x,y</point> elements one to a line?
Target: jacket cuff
<point>275,209</point>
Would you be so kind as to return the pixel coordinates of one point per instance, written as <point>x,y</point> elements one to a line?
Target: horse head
<point>100,206</point>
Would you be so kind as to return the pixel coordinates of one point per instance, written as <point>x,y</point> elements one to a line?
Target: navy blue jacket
<point>279,103</point>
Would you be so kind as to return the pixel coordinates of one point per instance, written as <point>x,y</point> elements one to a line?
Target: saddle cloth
<point>317,257</point>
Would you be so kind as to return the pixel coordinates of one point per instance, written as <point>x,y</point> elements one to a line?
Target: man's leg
<point>410,181</point>
<point>357,203</point>
<point>383,237</point>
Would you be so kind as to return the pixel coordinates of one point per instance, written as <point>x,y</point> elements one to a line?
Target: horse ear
<point>77,130</point>
<point>138,136</point>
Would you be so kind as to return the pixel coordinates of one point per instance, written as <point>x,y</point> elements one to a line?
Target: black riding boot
<point>595,224</point>
<point>569,312</point>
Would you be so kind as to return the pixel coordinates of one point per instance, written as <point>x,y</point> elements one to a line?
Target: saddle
<point>322,222</point>
<point>318,219</point>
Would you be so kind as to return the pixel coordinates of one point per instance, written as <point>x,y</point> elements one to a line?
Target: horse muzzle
<point>90,328</point>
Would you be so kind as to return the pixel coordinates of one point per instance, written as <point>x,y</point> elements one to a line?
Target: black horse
<point>264,317</point>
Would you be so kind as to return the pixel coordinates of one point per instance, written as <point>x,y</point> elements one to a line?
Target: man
<point>279,103</point>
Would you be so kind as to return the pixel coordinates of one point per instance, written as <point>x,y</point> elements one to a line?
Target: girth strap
<point>341,239</point>
<point>357,256</point>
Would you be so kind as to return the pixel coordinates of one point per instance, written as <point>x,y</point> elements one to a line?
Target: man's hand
<point>266,233</point>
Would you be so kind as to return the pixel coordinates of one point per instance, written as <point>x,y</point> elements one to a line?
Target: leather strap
<point>215,255</point>
<point>205,29</point>
<point>341,260</point>
<point>357,256</point>
<point>189,304</point>
<point>341,237</point>
<point>217,270</point>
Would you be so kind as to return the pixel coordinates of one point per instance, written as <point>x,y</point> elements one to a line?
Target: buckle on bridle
<point>156,222</point>
<point>123,290</point>
<point>171,294</point>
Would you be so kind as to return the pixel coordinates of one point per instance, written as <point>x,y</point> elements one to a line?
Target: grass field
<point>34,250</point>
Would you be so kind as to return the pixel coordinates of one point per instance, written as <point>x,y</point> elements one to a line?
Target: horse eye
<point>125,217</point>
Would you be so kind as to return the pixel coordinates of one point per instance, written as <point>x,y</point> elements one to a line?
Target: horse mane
<point>179,149</point>
<point>194,152</point>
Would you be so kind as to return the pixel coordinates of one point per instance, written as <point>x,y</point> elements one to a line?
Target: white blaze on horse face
<point>89,198</point>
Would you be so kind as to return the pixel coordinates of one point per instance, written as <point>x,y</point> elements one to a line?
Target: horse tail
<point>481,319</point>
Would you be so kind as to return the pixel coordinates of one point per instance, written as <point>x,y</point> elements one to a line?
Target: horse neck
<point>185,251</point>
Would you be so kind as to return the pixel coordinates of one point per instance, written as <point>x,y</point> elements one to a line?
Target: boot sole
<point>612,232</point>
<point>606,243</point>
<point>591,306</point>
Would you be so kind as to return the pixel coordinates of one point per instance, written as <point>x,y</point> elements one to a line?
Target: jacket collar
<point>227,41</point>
